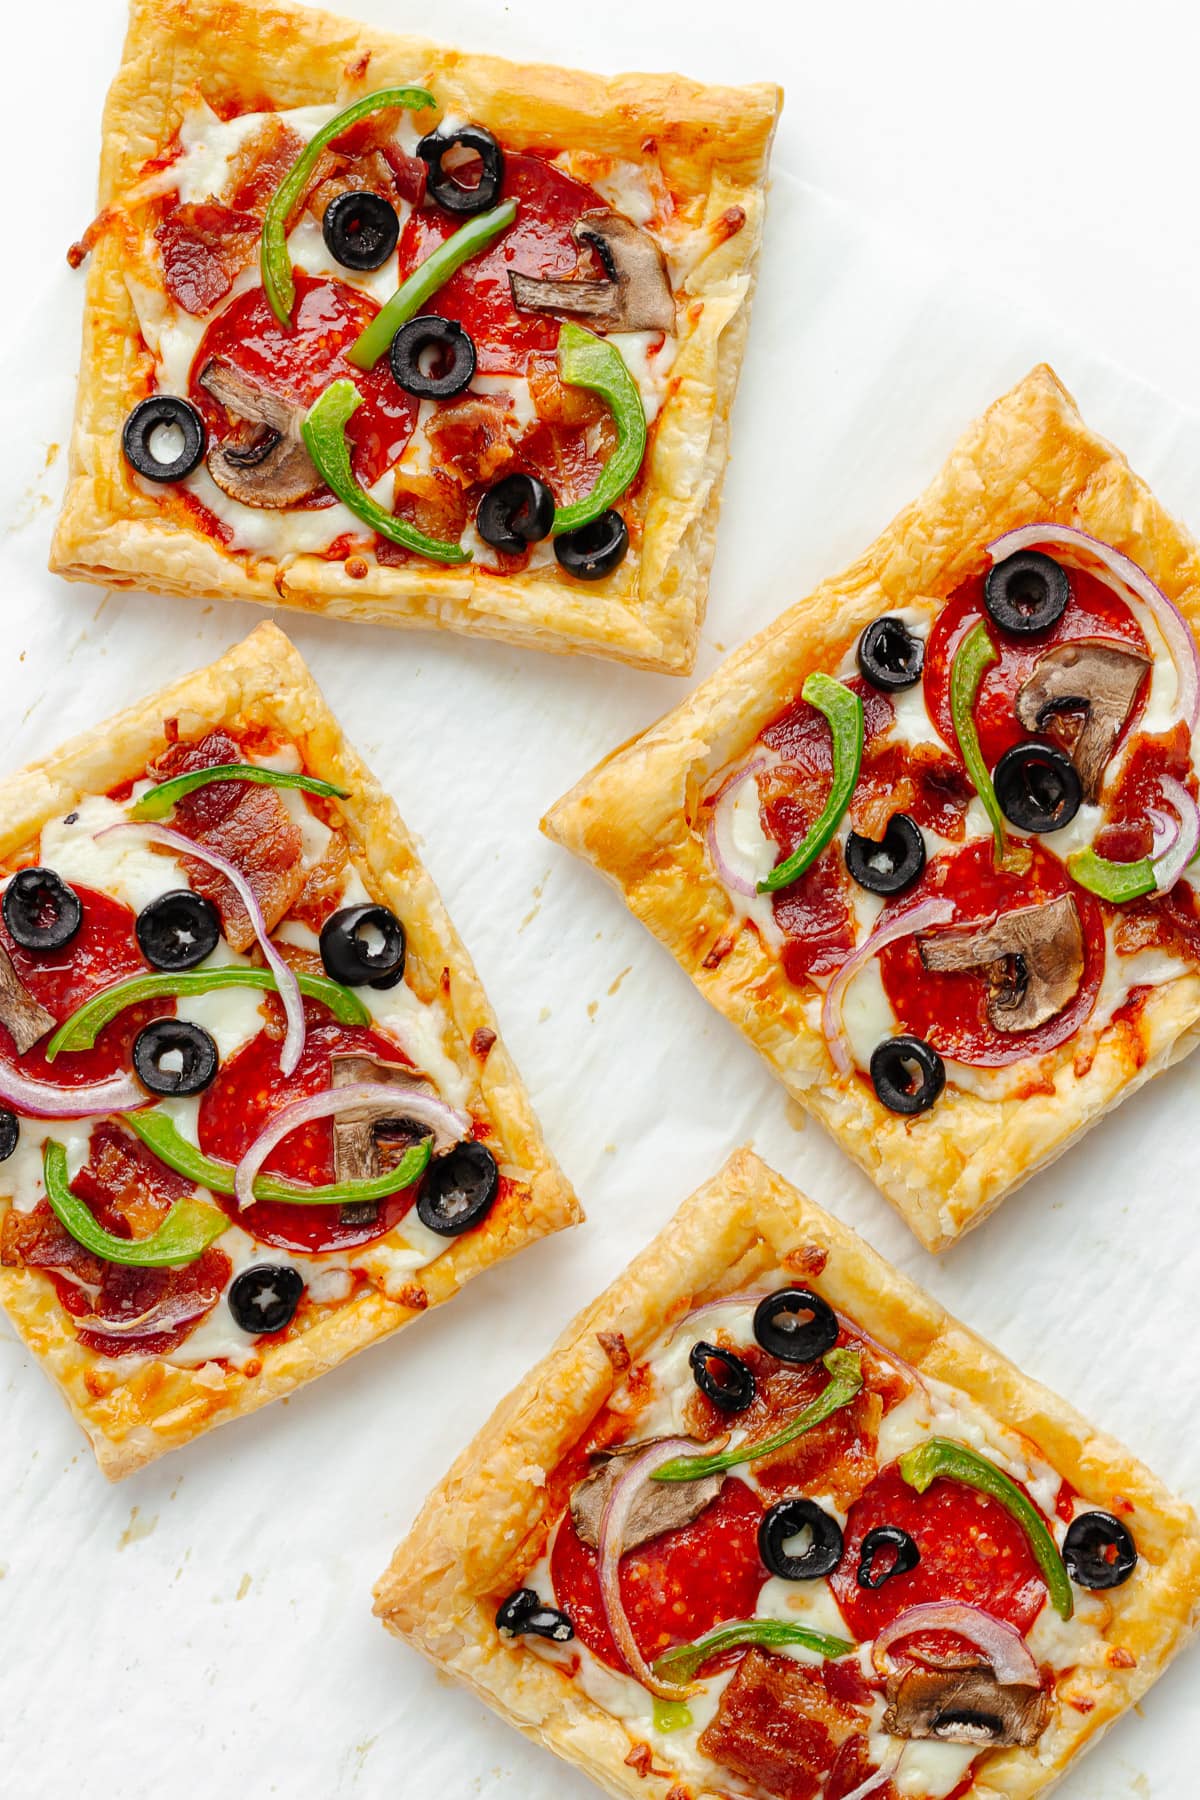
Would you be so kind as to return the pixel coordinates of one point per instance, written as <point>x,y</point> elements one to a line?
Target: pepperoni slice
<point>950,1010</point>
<point>972,1550</point>
<point>676,1587</point>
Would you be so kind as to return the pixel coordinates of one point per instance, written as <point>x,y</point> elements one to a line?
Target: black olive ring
<point>459,1189</point>
<point>1038,786</point>
<point>731,1386</point>
<point>174,1037</point>
<point>592,551</point>
<point>1099,1551</point>
<point>892,1077</point>
<point>147,417</point>
<point>347,954</point>
<point>10,1131</point>
<point>784,1333</point>
<point>890,656</point>
<point>454,350</point>
<point>178,930</point>
<point>524,1611</point>
<point>786,1520</point>
<point>40,910</point>
<point>889,864</point>
<point>1026,593</point>
<point>442,188</point>
<point>875,1566</point>
<point>360,230</point>
<point>517,512</point>
<point>264,1298</point>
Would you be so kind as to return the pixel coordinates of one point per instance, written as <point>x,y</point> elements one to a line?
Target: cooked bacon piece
<point>36,1240</point>
<point>248,825</point>
<point>433,503</point>
<point>776,1726</point>
<point>553,400</point>
<point>260,164</point>
<point>125,1184</point>
<point>336,175</point>
<point>322,888</point>
<point>408,172</point>
<point>473,437</point>
<point>203,247</point>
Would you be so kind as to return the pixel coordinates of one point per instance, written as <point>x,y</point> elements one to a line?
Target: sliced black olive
<point>40,910</point>
<point>524,1611</point>
<point>459,1189</point>
<point>450,350</point>
<point>1026,593</point>
<point>178,930</point>
<point>265,1297</point>
<point>889,864</point>
<point>360,230</point>
<point>462,145</point>
<point>795,1325</point>
<point>786,1520</point>
<point>593,551</point>
<point>347,952</point>
<point>730,1385</point>
<point>176,1038</point>
<point>885,1552</point>
<point>1038,786</point>
<point>1099,1551</point>
<point>517,512</point>
<point>163,412</point>
<point>907,1074</point>
<point>10,1131</point>
<point>890,656</point>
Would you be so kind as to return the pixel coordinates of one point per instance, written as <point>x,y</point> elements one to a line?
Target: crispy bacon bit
<point>433,503</point>
<point>408,172</point>
<point>808,1260</point>
<point>36,1240</point>
<point>776,1726</point>
<point>371,173</point>
<point>260,164</point>
<point>322,888</point>
<point>553,400</point>
<point>616,1349</point>
<point>203,248</point>
<point>641,1758</point>
<point>472,438</point>
<point>482,1041</point>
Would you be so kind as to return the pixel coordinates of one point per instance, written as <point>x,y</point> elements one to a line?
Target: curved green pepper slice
<point>80,1031</point>
<point>375,339</point>
<point>324,434</point>
<point>159,1133</point>
<point>158,802</point>
<point>939,1456</point>
<point>844,711</point>
<point>186,1232</point>
<point>276,264</point>
<point>683,1664</point>
<point>1116,882</point>
<point>846,1379</point>
<point>974,656</point>
<point>588,361</point>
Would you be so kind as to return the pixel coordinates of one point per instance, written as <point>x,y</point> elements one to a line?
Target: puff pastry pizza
<point>930,838</point>
<point>768,1522</point>
<point>384,331</point>
<point>255,1113</point>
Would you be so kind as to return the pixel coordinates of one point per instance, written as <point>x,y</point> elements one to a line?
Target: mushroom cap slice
<point>273,470</point>
<point>1033,957</point>
<point>355,1147</point>
<point>26,1018</point>
<point>661,1505</point>
<point>963,1706</point>
<point>1100,679</point>
<point>637,293</point>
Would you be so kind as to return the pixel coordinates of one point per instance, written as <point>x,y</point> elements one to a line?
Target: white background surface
<point>204,1630</point>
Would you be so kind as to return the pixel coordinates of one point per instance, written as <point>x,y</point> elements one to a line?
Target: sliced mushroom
<point>636,296</point>
<point>661,1505</point>
<point>273,469</point>
<point>26,1018</point>
<point>1033,958</point>
<point>355,1141</point>
<point>1099,680</point>
<point>963,1706</point>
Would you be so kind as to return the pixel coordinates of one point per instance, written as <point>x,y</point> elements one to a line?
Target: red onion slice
<point>1173,858</point>
<point>904,924</point>
<point>172,1311</point>
<point>721,855</point>
<point>881,1777</point>
<point>1175,630</point>
<point>1011,1659</point>
<point>610,1541</point>
<point>447,1125</point>
<point>285,980</point>
<point>40,1100</point>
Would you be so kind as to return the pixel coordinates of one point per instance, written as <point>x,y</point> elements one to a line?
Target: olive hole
<point>1028,591</point>
<point>464,167</point>
<point>435,360</point>
<point>912,1075</point>
<point>882,862</point>
<point>370,938</point>
<point>171,1062</point>
<point>720,1374</point>
<point>800,1542</point>
<point>166,443</point>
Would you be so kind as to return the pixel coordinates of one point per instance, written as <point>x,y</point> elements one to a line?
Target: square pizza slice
<point>767,1522</point>
<point>929,839</point>
<point>381,330</point>
<point>255,1112</point>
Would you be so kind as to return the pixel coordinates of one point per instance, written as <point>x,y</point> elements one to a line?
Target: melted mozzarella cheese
<point>121,865</point>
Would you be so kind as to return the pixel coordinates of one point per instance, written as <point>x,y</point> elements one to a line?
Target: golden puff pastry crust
<point>133,1417</point>
<point>712,145</point>
<point>1029,457</point>
<point>483,1527</point>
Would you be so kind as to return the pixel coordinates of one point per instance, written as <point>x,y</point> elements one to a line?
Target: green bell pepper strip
<point>1115,882</point>
<point>846,1379</point>
<point>274,261</point>
<point>411,296</point>
<point>938,1456</point>
<point>682,1665</point>
<point>158,802</point>
<point>324,434</point>
<point>80,1031</point>
<point>588,361</point>
<point>844,711</point>
<point>186,1232</point>
<point>159,1133</point>
<point>974,656</point>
